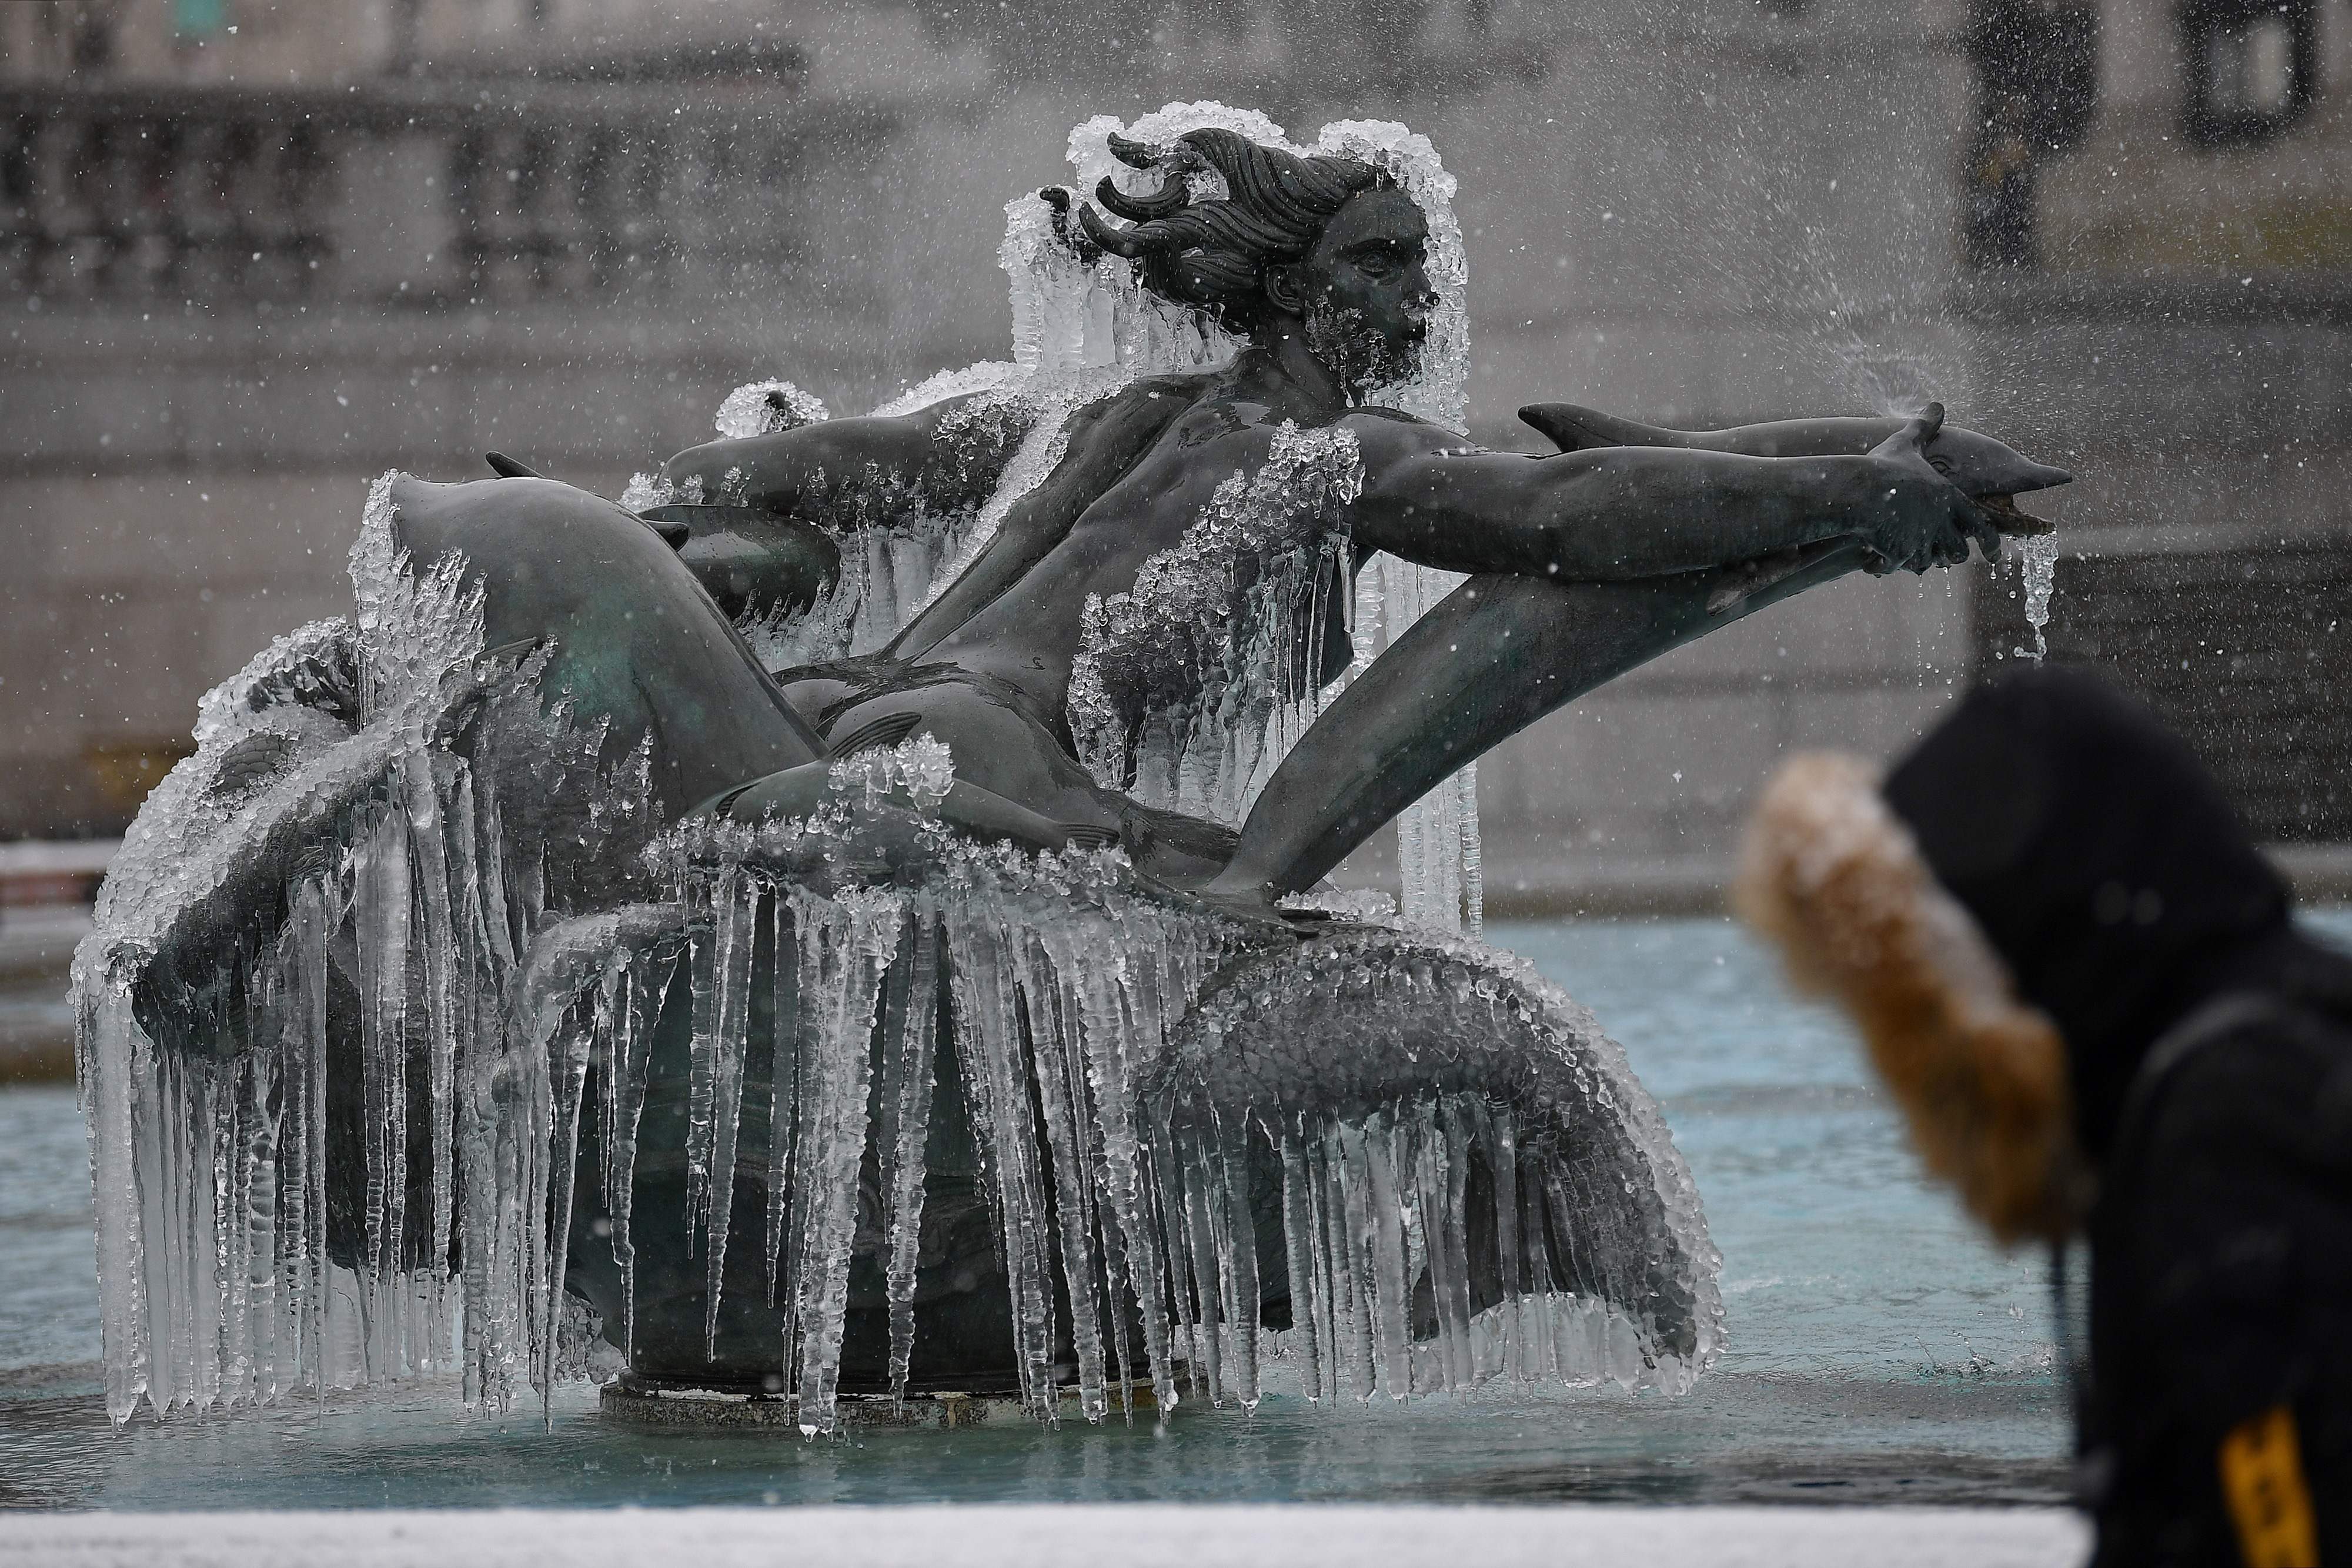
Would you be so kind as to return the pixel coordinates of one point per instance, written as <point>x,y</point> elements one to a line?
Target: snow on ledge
<point>1135,1536</point>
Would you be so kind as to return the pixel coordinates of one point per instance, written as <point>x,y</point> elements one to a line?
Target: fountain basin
<point>1878,1352</point>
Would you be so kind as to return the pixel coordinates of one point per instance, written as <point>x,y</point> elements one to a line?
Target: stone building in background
<point>250,270</point>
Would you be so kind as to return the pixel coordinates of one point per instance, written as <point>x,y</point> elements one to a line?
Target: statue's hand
<point>1918,518</point>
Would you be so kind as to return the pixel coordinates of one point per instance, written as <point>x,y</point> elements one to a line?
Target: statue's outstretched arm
<point>1501,652</point>
<point>1616,513</point>
<point>780,472</point>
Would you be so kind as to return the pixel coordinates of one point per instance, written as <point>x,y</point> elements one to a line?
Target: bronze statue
<point>1585,564</point>
<point>569,798</point>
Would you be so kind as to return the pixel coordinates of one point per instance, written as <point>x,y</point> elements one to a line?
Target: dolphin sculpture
<point>1988,471</point>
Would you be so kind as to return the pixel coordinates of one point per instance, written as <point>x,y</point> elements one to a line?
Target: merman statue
<point>666,828</point>
<point>1584,564</point>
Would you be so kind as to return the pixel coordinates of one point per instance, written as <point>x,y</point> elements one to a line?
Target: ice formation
<point>326,912</point>
<point>765,408</point>
<point>1081,332</point>
<point>1222,618</point>
<point>2037,557</point>
<point>410,959</point>
<point>426,938</point>
<point>902,537</point>
<point>398,893</point>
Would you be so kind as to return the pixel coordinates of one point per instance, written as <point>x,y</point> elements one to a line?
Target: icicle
<point>109,1044</point>
<point>638,989</point>
<point>306,1053</point>
<point>159,1118</point>
<point>1051,1036</point>
<point>1371,1152</point>
<point>1235,1236</point>
<point>1443,1182</point>
<point>1164,1205</point>
<point>792,1027</point>
<point>831,1143</point>
<point>381,925</point>
<point>1473,873</point>
<point>567,1068</point>
<point>703,1077</point>
<point>200,1234</point>
<point>1300,1231</point>
<point>909,1043</point>
<point>1099,990</point>
<point>250,1373</point>
<point>1496,1131</point>
<point>1347,1225</point>
<point>2037,557</point>
<point>437,937</point>
<point>1208,1279</point>
<point>989,1049</point>
<point>1439,861</point>
<point>738,914</point>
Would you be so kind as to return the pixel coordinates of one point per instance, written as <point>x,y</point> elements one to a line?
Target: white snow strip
<point>1153,1536</point>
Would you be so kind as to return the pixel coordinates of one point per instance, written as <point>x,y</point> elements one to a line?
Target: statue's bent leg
<point>634,638</point>
<point>998,748</point>
<point>1497,654</point>
<point>975,812</point>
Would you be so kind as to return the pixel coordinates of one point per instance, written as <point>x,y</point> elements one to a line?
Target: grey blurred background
<point>257,253</point>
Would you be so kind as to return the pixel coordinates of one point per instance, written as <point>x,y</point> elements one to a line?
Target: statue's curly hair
<point>1212,255</point>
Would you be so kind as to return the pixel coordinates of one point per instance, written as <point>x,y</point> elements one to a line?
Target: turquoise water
<point>1878,1350</point>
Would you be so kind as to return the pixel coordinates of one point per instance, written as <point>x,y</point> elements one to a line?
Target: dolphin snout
<point>2042,476</point>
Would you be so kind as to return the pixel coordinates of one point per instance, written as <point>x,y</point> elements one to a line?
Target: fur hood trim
<point>1833,875</point>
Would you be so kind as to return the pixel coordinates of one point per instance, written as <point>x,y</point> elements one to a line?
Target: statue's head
<point>1328,247</point>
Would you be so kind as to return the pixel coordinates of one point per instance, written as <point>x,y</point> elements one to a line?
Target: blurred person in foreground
<point>2082,983</point>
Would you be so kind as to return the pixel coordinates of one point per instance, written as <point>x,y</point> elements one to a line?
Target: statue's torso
<point>1176,632</point>
<point>1194,610</point>
<point>1031,636</point>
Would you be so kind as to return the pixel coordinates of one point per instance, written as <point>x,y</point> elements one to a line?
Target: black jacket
<point>2210,1056</point>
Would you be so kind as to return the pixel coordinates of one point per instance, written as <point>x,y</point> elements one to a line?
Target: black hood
<point>2106,868</point>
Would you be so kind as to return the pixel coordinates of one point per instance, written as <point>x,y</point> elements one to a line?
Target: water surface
<point>1879,1351</point>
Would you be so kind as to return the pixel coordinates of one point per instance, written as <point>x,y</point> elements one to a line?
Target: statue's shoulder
<point>1166,394</point>
<point>1388,434</point>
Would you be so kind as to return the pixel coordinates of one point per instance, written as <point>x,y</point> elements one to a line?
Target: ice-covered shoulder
<point>765,408</point>
<point>987,376</point>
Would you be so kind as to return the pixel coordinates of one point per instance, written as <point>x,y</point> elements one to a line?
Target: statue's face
<point>1365,288</point>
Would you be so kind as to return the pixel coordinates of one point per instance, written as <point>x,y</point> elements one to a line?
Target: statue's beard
<point>1362,359</point>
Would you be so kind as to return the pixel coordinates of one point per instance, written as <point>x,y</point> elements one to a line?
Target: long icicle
<point>437,940</point>
<point>382,908</point>
<point>867,934</point>
<point>988,1036</point>
<point>911,1046</point>
<point>1050,1035</point>
<point>784,1085</point>
<point>738,912</point>
<point>567,1067</point>
<point>1298,1232</point>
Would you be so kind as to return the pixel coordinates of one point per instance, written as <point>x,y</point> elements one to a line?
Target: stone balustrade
<point>428,194</point>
